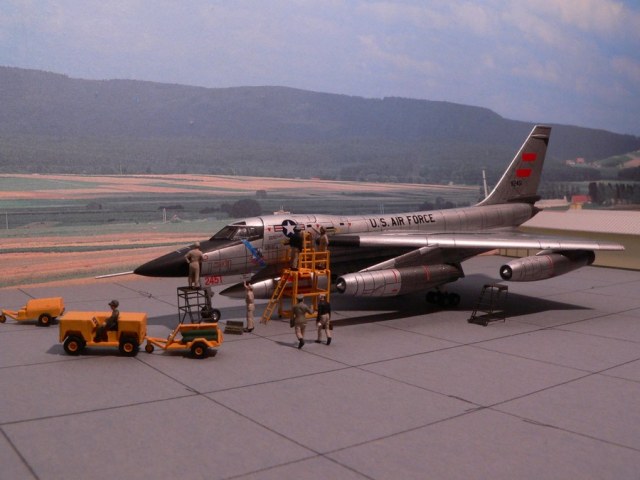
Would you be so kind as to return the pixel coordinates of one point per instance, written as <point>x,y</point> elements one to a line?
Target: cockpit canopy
<point>239,231</point>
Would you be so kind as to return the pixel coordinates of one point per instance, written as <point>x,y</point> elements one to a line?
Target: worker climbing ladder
<point>311,279</point>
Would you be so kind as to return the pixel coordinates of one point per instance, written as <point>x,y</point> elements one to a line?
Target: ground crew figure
<point>323,244</point>
<point>295,242</point>
<point>194,259</point>
<point>323,240</point>
<point>249,299</point>
<point>110,323</point>
<point>323,320</point>
<point>299,312</point>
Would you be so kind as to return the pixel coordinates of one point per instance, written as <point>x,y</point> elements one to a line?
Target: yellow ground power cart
<point>78,330</point>
<point>194,337</point>
<point>41,310</point>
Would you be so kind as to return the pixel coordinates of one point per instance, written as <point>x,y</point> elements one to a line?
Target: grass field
<point>27,200</point>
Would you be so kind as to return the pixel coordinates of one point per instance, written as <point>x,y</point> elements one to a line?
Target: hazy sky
<point>558,61</point>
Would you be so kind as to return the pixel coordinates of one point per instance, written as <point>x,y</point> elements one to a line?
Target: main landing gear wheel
<point>443,299</point>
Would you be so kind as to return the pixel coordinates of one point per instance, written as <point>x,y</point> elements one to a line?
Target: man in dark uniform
<point>323,320</point>
<point>110,323</point>
<point>295,242</point>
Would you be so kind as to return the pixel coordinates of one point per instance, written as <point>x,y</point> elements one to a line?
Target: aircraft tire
<point>454,299</point>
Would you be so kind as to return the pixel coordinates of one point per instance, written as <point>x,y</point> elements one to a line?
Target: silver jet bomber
<point>390,255</point>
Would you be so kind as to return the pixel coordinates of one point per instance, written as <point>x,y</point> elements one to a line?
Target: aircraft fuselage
<point>256,247</point>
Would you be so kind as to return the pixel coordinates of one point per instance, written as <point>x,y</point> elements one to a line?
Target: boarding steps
<point>311,279</point>
<point>491,304</point>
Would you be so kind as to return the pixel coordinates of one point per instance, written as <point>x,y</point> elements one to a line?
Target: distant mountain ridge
<point>52,123</point>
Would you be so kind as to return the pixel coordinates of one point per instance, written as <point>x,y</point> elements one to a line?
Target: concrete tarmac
<point>406,390</point>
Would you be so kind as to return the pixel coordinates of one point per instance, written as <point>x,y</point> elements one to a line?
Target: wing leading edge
<point>485,240</point>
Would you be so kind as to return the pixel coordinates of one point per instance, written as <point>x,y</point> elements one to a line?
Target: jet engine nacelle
<point>264,289</point>
<point>545,265</point>
<point>396,281</point>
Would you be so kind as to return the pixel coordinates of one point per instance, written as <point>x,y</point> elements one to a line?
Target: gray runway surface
<point>405,390</point>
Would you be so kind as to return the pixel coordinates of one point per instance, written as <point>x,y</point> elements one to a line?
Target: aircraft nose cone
<point>169,265</point>
<point>234,291</point>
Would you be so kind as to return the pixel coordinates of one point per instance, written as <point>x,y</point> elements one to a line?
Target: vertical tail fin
<point>520,181</point>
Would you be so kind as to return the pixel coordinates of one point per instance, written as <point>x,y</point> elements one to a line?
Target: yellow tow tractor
<point>198,336</point>
<point>78,330</point>
<point>41,310</point>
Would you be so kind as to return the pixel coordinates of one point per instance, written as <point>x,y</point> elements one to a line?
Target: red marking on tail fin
<point>529,157</point>
<point>523,172</point>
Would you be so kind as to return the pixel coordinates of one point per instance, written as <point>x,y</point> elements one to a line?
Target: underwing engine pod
<point>397,281</point>
<point>545,265</point>
<point>264,289</point>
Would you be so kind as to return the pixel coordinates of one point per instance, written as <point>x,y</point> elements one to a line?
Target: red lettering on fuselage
<point>213,280</point>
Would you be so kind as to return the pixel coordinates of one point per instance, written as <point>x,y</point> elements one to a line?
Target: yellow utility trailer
<point>195,337</point>
<point>78,330</point>
<point>41,310</point>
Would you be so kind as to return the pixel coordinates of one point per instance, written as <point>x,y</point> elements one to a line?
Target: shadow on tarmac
<point>393,308</point>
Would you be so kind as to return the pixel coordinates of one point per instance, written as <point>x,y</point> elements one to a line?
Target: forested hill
<point>53,123</point>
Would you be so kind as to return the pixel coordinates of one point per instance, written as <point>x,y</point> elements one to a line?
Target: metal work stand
<point>195,304</point>
<point>490,306</point>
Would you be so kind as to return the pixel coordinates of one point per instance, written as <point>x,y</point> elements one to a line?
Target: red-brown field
<point>38,267</point>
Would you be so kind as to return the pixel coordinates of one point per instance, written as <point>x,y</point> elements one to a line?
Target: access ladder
<point>275,298</point>
<point>491,304</point>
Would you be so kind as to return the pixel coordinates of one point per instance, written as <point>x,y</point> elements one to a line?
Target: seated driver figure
<point>110,323</point>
